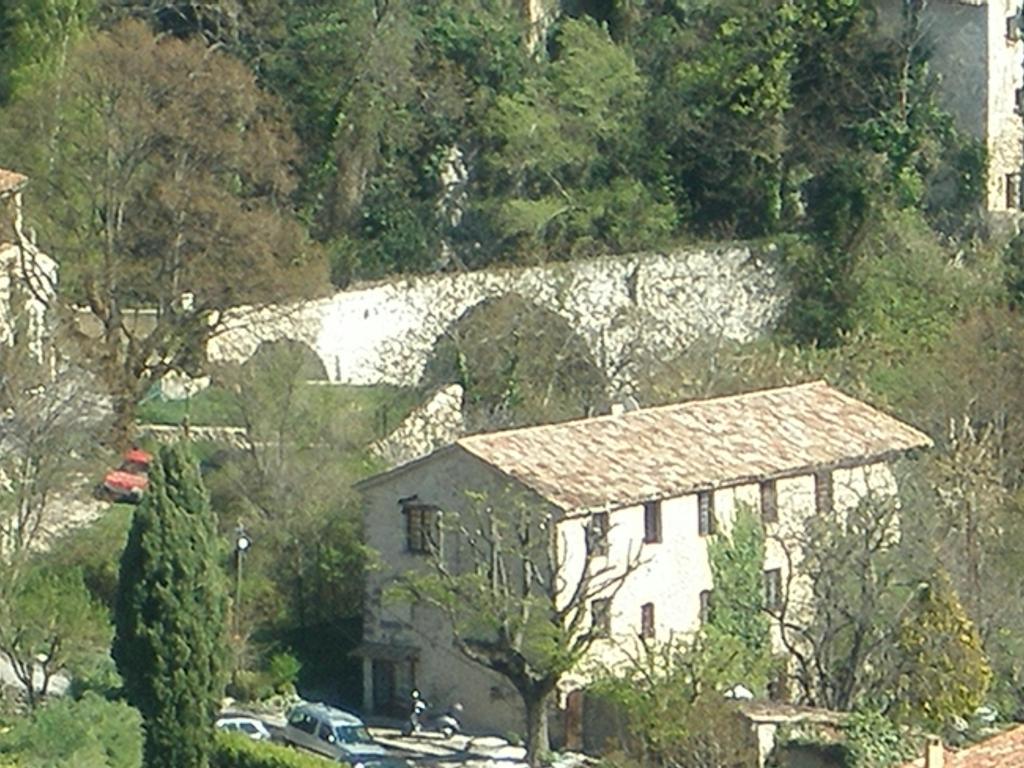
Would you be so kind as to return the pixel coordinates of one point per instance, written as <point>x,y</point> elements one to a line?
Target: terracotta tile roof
<point>10,181</point>
<point>1005,750</point>
<point>672,450</point>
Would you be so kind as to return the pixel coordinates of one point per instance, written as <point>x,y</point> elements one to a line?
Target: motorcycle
<point>420,720</point>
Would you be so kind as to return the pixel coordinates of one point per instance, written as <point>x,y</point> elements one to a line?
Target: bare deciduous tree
<point>517,589</point>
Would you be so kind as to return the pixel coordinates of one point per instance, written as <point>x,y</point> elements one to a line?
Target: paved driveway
<point>470,751</point>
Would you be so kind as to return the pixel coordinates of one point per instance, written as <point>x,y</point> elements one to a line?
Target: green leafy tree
<point>721,91</point>
<point>671,700</point>
<point>49,624</point>
<point>873,740</point>
<point>346,71</point>
<point>943,670</point>
<point>90,732</point>
<point>36,37</point>
<point>171,604</point>
<point>561,178</point>
<point>306,568</point>
<point>380,94</point>
<point>737,570</point>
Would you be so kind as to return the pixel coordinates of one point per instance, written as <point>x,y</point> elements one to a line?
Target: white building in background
<point>28,277</point>
<point>976,49</point>
<point>661,481</point>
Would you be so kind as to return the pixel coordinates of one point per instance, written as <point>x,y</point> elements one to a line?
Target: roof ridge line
<point>652,409</point>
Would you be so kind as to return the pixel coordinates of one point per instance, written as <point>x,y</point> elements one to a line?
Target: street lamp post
<point>242,544</point>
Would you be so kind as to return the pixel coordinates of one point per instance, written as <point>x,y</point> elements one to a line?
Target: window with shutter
<point>652,522</point>
<point>422,528</point>
<point>705,513</point>
<point>647,621</point>
<point>823,500</point>
<point>598,533</point>
<point>601,617</point>
<point>769,502</point>
<point>773,589</point>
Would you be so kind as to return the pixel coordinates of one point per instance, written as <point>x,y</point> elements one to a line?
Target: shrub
<point>284,671</point>
<point>233,750</point>
<point>89,733</point>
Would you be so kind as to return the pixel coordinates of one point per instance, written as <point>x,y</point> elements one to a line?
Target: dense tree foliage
<point>431,138</point>
<point>89,732</point>
<point>737,613</point>
<point>170,612</point>
<point>943,671</point>
<point>49,624</point>
<point>163,176</point>
<point>291,486</point>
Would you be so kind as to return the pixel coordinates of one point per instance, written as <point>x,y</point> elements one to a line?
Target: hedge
<point>233,750</point>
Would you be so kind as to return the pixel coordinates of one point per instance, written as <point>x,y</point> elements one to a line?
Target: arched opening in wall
<point>519,364</point>
<point>297,355</point>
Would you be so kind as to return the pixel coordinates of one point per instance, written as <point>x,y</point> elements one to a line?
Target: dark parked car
<point>336,734</point>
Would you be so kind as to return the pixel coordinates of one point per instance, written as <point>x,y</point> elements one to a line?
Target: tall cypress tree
<point>170,615</point>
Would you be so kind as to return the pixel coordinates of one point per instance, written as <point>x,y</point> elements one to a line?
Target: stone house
<point>977,52</point>
<point>1001,750</point>
<point>661,481</point>
<point>28,277</point>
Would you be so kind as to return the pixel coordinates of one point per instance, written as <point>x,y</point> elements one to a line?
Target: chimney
<point>934,753</point>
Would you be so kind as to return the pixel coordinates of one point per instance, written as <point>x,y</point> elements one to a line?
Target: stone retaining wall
<point>624,307</point>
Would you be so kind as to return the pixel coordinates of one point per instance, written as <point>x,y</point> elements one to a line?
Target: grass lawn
<point>211,407</point>
<point>375,409</point>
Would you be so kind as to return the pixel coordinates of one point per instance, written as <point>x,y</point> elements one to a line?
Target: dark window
<point>1013,30</point>
<point>601,617</point>
<point>652,522</point>
<point>303,722</point>
<point>1018,101</point>
<point>823,492</point>
<point>773,589</point>
<point>422,528</point>
<point>325,733</point>
<point>1013,191</point>
<point>705,513</point>
<point>599,533</point>
<point>769,502</point>
<point>705,606</point>
<point>647,621</point>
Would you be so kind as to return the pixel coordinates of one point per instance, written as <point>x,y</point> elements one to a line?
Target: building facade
<point>28,277</point>
<point>976,50</point>
<point>655,486</point>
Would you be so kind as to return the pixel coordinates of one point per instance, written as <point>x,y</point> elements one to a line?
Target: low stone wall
<point>623,307</point>
<point>165,433</point>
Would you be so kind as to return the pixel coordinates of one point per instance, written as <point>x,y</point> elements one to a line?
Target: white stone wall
<point>28,279</point>
<point>432,425</point>
<point>622,306</point>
